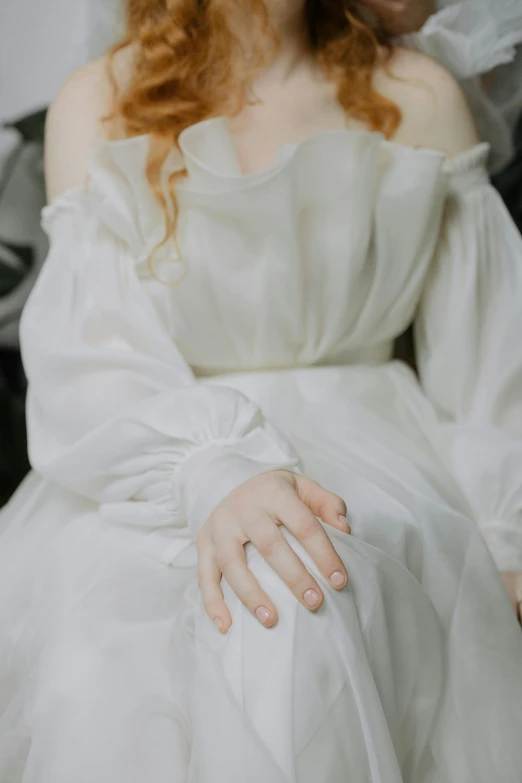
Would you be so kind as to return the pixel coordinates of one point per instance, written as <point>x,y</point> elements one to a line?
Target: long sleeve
<point>114,412</point>
<point>469,352</point>
<point>473,38</point>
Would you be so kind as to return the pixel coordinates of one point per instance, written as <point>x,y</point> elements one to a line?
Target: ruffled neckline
<point>119,193</point>
<point>208,148</point>
<point>207,151</point>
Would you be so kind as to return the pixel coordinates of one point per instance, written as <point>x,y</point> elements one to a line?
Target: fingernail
<point>311,597</point>
<point>345,522</point>
<point>338,579</point>
<point>262,614</point>
<point>219,623</point>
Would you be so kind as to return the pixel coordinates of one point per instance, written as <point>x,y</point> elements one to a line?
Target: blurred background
<point>42,41</point>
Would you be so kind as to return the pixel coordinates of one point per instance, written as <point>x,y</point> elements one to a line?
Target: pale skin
<point>293,101</point>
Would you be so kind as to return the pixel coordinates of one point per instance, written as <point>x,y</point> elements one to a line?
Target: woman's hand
<point>253,512</point>
<point>400,17</point>
<point>513,584</point>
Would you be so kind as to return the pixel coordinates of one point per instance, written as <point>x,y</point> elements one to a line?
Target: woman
<point>478,41</point>
<point>183,598</point>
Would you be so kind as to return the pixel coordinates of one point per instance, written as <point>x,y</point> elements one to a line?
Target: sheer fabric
<point>149,402</point>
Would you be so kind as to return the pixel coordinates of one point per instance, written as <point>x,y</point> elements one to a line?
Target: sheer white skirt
<point>111,671</point>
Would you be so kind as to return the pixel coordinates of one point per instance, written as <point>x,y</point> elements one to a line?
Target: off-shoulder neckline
<point>179,157</point>
<point>221,125</point>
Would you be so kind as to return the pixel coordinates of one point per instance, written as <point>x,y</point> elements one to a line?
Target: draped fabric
<point>149,402</point>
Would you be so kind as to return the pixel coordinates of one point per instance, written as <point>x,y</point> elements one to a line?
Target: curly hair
<point>188,54</point>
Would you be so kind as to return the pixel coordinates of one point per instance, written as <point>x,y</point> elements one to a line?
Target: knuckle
<point>219,517</point>
<point>268,545</point>
<point>224,560</point>
<point>227,555</point>
<point>331,499</point>
<point>274,486</point>
<point>258,526</point>
<point>306,528</point>
<point>298,583</point>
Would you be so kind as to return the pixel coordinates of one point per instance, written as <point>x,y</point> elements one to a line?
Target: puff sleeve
<point>469,352</point>
<point>113,409</point>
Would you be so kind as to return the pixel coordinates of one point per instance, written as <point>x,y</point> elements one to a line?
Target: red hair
<point>188,54</point>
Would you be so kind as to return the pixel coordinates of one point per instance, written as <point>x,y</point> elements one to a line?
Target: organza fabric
<point>149,402</point>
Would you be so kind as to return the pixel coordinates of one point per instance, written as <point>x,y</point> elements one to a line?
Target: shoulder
<point>434,110</point>
<point>76,120</point>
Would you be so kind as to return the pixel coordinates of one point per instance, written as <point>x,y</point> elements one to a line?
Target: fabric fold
<point>113,408</point>
<point>115,411</point>
<point>468,345</point>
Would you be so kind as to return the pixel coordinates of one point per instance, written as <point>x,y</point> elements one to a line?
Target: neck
<point>288,19</point>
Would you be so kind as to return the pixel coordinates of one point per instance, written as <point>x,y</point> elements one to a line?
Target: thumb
<point>324,504</point>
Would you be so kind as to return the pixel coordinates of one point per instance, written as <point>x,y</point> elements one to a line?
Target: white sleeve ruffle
<point>472,38</point>
<point>114,412</point>
<point>469,352</point>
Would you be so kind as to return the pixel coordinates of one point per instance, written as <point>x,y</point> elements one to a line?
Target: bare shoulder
<point>75,120</point>
<point>434,110</point>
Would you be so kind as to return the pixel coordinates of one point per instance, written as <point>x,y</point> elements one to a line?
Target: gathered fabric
<point>149,402</point>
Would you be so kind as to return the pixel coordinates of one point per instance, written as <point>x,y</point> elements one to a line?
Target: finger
<point>331,508</point>
<point>275,549</point>
<point>303,523</point>
<point>209,582</point>
<point>232,562</point>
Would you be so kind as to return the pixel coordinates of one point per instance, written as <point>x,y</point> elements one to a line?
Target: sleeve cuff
<point>211,472</point>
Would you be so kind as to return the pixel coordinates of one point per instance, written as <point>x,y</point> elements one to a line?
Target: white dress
<point>149,402</point>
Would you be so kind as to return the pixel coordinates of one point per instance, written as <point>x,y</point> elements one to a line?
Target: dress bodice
<point>319,258</point>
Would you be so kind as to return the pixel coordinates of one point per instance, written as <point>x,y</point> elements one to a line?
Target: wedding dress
<point>148,402</point>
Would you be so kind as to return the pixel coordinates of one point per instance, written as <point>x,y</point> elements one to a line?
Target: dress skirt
<point>112,672</point>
